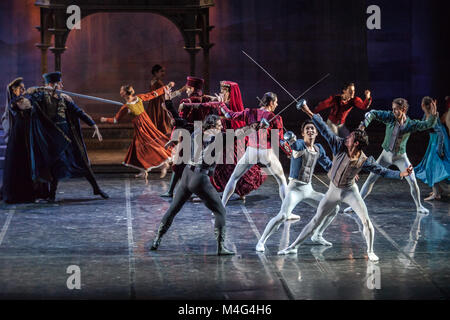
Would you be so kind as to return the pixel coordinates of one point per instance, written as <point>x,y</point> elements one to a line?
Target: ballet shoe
<point>320,240</point>
<point>293,217</point>
<point>287,251</point>
<point>372,257</point>
<point>260,247</point>
<point>422,210</point>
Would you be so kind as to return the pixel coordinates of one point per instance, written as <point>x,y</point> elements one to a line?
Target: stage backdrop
<point>297,41</point>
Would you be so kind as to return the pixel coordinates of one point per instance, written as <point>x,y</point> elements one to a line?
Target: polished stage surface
<point>109,239</point>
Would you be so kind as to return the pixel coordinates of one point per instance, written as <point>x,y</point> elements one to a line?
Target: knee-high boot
<point>220,233</point>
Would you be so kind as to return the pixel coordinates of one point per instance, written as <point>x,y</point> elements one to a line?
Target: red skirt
<point>147,148</point>
<point>250,181</point>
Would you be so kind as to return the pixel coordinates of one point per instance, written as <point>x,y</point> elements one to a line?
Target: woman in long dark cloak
<point>30,150</point>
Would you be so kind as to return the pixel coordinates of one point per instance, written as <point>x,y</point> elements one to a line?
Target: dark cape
<point>33,147</point>
<point>74,161</point>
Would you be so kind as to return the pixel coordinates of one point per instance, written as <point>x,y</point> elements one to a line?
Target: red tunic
<point>254,177</point>
<point>191,115</point>
<point>250,116</point>
<point>340,109</point>
<point>250,181</point>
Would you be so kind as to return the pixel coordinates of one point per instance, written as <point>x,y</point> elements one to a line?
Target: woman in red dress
<point>147,150</point>
<point>231,95</point>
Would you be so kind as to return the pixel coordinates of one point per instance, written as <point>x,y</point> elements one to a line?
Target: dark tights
<point>199,184</point>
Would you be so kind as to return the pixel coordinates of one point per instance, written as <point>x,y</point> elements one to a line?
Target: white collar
<point>134,101</point>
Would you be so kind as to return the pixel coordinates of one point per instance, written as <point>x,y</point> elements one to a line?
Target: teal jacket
<point>388,118</point>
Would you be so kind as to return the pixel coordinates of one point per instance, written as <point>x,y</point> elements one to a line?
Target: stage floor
<point>109,239</point>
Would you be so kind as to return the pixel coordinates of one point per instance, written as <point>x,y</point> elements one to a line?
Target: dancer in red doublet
<point>253,178</point>
<point>194,91</point>
<point>341,105</point>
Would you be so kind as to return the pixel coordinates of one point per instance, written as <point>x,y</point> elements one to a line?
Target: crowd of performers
<point>45,145</point>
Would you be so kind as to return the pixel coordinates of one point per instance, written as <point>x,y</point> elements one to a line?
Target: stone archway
<point>191,17</point>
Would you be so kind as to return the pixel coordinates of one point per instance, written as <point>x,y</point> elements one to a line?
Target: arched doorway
<point>191,17</point>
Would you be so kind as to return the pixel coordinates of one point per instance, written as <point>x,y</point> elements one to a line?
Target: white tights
<point>251,157</point>
<point>401,162</point>
<point>297,192</point>
<point>332,198</point>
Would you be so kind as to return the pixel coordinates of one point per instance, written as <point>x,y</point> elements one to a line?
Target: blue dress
<point>435,165</point>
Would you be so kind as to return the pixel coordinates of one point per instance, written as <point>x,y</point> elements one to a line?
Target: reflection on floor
<point>108,240</point>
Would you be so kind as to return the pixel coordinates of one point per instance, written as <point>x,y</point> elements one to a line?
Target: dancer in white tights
<point>348,161</point>
<point>306,154</point>
<point>398,129</point>
<point>258,152</point>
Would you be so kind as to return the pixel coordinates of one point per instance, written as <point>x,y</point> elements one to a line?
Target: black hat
<point>52,77</point>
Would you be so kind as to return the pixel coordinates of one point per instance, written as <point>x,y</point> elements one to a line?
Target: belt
<point>199,169</point>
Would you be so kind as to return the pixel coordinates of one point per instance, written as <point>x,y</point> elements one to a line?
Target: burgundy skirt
<point>250,181</point>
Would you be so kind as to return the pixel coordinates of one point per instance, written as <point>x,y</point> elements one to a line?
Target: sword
<point>78,95</point>
<point>281,86</point>
<point>295,99</point>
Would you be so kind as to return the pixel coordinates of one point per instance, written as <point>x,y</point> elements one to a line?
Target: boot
<point>155,243</point>
<point>161,231</point>
<point>102,193</point>
<point>52,193</point>
<point>173,183</point>
<point>220,237</point>
<point>95,187</point>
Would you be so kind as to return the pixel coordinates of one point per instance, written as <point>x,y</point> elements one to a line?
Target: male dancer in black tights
<point>196,179</point>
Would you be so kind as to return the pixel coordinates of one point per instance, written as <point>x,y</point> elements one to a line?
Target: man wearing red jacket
<point>341,105</point>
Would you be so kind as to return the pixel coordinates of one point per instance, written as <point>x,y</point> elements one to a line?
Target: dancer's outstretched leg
<point>183,194</point>
<point>212,201</point>
<point>293,197</point>
<point>325,208</point>
<point>313,200</point>
<point>95,187</point>
<point>352,197</point>
<point>402,164</point>
<point>384,160</point>
<point>241,168</point>
<point>276,169</point>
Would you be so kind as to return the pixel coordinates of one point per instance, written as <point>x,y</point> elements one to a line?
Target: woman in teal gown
<point>434,169</point>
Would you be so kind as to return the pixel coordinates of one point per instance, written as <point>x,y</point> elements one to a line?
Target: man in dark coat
<point>66,115</point>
